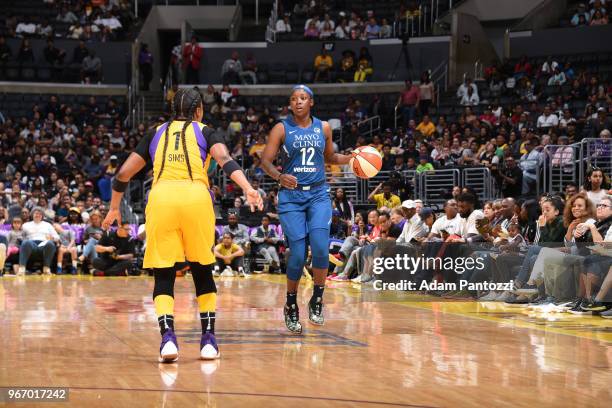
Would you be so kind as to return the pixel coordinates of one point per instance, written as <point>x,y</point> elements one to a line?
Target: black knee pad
<point>203,278</point>
<point>164,281</point>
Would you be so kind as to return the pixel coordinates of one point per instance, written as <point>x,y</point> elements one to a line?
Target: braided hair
<point>183,107</point>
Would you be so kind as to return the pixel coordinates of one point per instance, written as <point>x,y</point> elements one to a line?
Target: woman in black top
<point>25,52</point>
<point>342,204</point>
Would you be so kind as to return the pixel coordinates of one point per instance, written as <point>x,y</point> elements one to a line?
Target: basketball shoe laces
<point>317,308</point>
<point>293,316</point>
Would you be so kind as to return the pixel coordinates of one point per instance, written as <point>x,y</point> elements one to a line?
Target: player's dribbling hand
<point>254,199</point>
<point>288,181</point>
<point>112,216</point>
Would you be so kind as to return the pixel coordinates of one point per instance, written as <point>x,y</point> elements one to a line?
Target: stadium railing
<point>554,170</point>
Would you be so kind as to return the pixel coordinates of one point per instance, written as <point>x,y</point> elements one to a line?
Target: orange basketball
<point>367,162</point>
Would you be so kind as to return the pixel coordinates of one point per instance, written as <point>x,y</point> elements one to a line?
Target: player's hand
<point>254,199</point>
<point>112,216</point>
<point>288,181</point>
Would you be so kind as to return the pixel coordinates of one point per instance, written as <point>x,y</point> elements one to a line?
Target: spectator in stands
<point>365,57</point>
<point>470,98</point>
<point>91,68</point>
<point>115,252</point>
<point>108,21</point>
<point>385,29</point>
<point>557,77</point>
<point>448,224</point>
<point>343,31</point>
<point>15,238</point>
<point>530,161</point>
<point>548,67</point>
<point>522,68</point>
<point>145,63</point>
<point>231,69</point>
<point>426,92</point>
<point>239,232</point>
<point>67,16</point>
<point>76,31</point>
<point>327,19</point>
<point>414,228</point>
<point>229,256</point>
<point>346,71</point>
<point>510,178</point>
<point>192,54</point>
<point>326,31</point>
<point>385,199</point>
<point>408,101</point>
<point>314,19</point>
<point>323,64</point>
<point>92,234</point>
<point>264,240</point>
<point>372,29</point>
<point>462,91</point>
<point>5,50</point>
<point>596,185</point>
<point>53,55</point>
<point>25,29</point>
<point>25,53</point>
<point>66,245</point>
<point>79,53</point>
<point>424,164</point>
<point>39,239</point>
<point>283,25</point>
<point>338,227</point>
<point>44,29</point>
<point>599,18</point>
<point>580,12</point>
<point>363,72</point>
<point>547,119</point>
<point>344,205</point>
<point>601,123</point>
<point>427,128</point>
<point>311,32</point>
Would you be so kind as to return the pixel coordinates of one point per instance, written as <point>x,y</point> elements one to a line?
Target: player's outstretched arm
<point>275,139</point>
<point>132,165</point>
<point>330,156</point>
<point>220,153</point>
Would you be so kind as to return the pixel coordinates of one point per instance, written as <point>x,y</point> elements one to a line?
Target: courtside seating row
<point>79,230</point>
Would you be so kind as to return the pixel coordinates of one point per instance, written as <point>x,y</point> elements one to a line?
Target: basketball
<point>367,162</point>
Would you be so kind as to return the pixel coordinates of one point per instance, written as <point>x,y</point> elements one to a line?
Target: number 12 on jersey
<point>310,151</point>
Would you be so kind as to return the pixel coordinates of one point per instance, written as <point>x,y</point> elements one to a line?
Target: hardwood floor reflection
<point>99,337</point>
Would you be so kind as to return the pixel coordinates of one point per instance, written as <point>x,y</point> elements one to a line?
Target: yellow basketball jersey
<point>175,158</point>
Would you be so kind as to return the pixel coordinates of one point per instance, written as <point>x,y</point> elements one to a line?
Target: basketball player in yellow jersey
<point>179,216</point>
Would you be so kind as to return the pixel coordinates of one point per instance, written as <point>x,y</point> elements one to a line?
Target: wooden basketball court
<point>99,337</point>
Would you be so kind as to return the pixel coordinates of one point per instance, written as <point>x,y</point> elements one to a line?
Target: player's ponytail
<point>173,107</point>
<point>192,109</point>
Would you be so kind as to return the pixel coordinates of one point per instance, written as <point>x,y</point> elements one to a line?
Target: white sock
<point>74,264</point>
<point>21,269</point>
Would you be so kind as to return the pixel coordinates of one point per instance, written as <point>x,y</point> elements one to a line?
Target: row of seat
<point>69,99</point>
<point>20,105</point>
<point>290,73</point>
<point>588,59</point>
<point>40,72</point>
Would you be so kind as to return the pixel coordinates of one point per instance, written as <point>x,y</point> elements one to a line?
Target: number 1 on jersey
<point>311,152</point>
